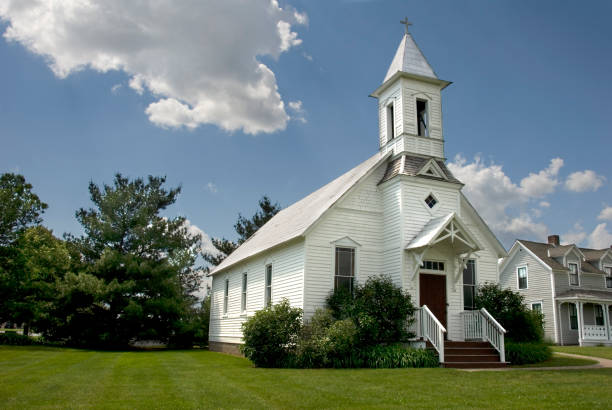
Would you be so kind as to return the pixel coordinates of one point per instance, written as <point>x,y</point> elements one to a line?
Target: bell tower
<point>409,103</point>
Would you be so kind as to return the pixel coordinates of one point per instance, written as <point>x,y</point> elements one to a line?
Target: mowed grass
<point>595,351</point>
<point>53,377</point>
<point>558,361</point>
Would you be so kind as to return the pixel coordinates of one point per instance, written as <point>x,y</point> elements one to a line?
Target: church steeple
<point>410,111</point>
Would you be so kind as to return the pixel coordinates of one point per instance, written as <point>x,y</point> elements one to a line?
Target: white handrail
<point>480,325</point>
<point>431,329</point>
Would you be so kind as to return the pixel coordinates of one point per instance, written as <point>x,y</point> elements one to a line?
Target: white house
<point>571,286</point>
<point>400,212</point>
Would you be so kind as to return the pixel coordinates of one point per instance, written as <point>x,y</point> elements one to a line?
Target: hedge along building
<point>399,213</point>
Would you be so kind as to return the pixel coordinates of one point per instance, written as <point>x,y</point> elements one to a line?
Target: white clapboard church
<point>401,213</point>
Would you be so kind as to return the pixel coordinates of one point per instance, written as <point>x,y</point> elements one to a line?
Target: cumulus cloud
<point>115,88</point>
<point>576,235</point>
<point>600,237</point>
<point>298,112</point>
<point>502,202</point>
<point>207,245</point>
<point>583,181</point>
<point>198,59</point>
<point>606,213</point>
<point>544,182</point>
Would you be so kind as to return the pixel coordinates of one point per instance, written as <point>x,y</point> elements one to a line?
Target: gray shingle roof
<point>294,220</point>
<point>412,165</point>
<point>543,250</point>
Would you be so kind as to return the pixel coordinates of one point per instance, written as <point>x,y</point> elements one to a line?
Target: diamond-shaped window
<point>431,201</point>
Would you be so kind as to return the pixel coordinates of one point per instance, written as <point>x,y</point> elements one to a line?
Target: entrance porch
<point>585,320</point>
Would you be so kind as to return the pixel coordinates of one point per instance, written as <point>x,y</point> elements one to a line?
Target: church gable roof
<point>293,221</point>
<point>409,59</point>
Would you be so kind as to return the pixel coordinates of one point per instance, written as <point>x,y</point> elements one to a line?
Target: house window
<point>522,277</point>
<point>390,123</point>
<point>599,318</point>
<point>608,270</point>
<point>243,299</point>
<point>573,276</point>
<point>268,290</point>
<point>469,285</point>
<point>431,201</point>
<point>226,297</point>
<point>537,307</point>
<point>345,269</point>
<point>433,265</point>
<point>573,316</point>
<point>422,118</point>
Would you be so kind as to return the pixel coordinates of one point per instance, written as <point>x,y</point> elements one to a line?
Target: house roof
<point>409,59</point>
<point>546,252</point>
<point>541,251</point>
<point>411,165</point>
<point>594,254</point>
<point>293,221</point>
<point>585,294</point>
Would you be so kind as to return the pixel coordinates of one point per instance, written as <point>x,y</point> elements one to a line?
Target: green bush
<point>388,357</point>
<point>525,353</point>
<point>15,339</point>
<point>270,336</point>
<point>509,309</point>
<point>380,310</point>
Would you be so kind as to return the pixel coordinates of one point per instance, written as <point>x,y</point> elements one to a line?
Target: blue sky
<point>531,83</point>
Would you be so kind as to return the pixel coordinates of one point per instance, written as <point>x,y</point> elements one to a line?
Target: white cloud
<point>207,245</point>
<point>582,181</point>
<point>544,182</point>
<point>199,59</point>
<point>307,56</point>
<point>576,235</point>
<point>503,203</point>
<point>544,204</point>
<point>606,213</point>
<point>115,88</point>
<point>600,237</point>
<point>299,112</point>
<point>212,187</point>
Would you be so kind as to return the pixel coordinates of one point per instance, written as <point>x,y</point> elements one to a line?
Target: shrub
<point>15,339</point>
<point>525,353</point>
<point>508,308</point>
<point>380,309</point>
<point>270,335</point>
<point>388,357</point>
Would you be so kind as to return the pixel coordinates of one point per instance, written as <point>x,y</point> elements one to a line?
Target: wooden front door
<point>432,292</point>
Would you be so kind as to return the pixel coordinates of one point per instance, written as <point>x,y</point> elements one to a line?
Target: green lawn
<point>54,377</point>
<point>558,360</point>
<point>595,351</point>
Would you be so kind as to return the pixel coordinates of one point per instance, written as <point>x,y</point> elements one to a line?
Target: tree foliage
<point>509,309</point>
<point>20,208</point>
<point>245,228</point>
<point>137,271</point>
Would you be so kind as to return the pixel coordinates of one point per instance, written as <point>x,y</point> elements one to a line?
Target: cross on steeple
<point>406,23</point>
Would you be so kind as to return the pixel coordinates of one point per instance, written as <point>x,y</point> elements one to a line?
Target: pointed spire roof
<point>409,59</point>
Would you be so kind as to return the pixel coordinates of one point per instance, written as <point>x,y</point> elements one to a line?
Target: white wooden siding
<point>287,282</point>
<point>539,287</point>
<point>358,217</point>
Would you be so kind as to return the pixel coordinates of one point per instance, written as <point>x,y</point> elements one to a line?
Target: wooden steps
<point>471,355</point>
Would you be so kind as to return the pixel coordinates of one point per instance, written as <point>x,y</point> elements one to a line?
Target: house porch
<point>585,321</point>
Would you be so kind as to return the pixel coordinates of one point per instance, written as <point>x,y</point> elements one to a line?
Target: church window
<point>345,268</point>
<point>422,118</point>
<point>608,270</point>
<point>268,290</point>
<point>390,122</point>
<point>431,201</point>
<point>226,297</point>
<point>243,299</point>
<point>469,285</point>
<point>433,265</point>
